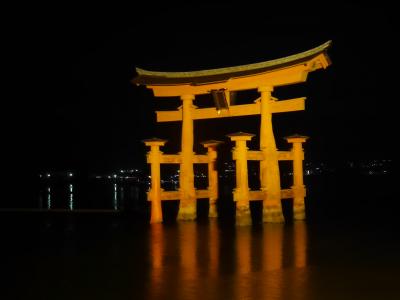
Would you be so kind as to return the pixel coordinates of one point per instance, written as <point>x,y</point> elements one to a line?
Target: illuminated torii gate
<point>263,76</point>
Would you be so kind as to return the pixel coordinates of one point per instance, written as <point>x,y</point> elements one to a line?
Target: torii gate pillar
<point>241,192</point>
<point>269,166</point>
<point>154,158</point>
<point>298,187</point>
<point>187,207</point>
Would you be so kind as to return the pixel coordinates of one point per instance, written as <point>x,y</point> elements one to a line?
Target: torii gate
<point>263,76</point>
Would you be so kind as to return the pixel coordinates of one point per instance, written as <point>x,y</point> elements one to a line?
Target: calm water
<point>109,256</point>
<point>348,249</point>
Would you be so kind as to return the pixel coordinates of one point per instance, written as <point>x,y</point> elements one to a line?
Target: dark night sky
<point>83,113</point>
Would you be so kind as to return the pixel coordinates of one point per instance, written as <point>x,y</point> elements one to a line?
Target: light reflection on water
<point>82,256</point>
<point>191,262</point>
<point>72,196</point>
<point>115,202</point>
<point>48,198</point>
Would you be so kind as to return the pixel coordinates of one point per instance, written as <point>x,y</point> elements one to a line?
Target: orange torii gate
<point>263,76</point>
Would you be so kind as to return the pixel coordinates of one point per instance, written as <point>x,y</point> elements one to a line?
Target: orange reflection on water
<point>271,283</point>
<point>213,249</point>
<point>272,246</point>
<point>193,261</point>
<point>187,250</point>
<point>243,255</point>
<point>300,244</point>
<point>156,259</point>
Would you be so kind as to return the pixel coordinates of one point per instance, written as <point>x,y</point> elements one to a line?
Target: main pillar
<point>269,166</point>
<point>154,159</point>
<point>241,192</point>
<point>212,176</point>
<point>298,187</point>
<point>187,207</point>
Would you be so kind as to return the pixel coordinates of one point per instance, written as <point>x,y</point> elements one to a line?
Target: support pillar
<point>241,192</point>
<point>154,159</point>
<point>269,166</point>
<point>298,187</point>
<point>187,207</point>
<point>212,176</point>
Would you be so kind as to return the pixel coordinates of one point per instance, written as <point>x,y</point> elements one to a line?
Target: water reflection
<point>201,261</point>
<point>71,197</point>
<point>48,198</point>
<point>115,202</point>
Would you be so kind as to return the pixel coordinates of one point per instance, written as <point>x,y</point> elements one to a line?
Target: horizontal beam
<point>296,104</point>
<point>176,159</point>
<point>285,194</point>
<point>279,77</point>
<point>170,159</point>
<point>259,195</point>
<point>258,155</point>
<point>285,155</point>
<point>200,159</point>
<point>204,159</point>
<point>175,195</point>
<point>255,155</point>
<point>200,194</point>
<point>170,195</point>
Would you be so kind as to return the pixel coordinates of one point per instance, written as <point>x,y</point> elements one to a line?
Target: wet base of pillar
<point>212,212</point>
<point>273,214</point>
<point>187,213</point>
<point>299,212</point>
<point>243,216</point>
<point>156,220</point>
<point>156,213</point>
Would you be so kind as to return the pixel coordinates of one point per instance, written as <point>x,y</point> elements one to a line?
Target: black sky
<point>83,113</point>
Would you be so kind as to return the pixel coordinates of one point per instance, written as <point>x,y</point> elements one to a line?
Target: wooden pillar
<point>241,192</point>
<point>154,159</point>
<point>269,166</point>
<point>298,187</point>
<point>187,207</point>
<point>212,176</point>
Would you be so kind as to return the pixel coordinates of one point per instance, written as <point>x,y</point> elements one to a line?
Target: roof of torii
<point>193,78</point>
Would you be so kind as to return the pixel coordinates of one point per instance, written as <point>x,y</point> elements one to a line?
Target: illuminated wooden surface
<point>154,158</point>
<point>298,183</point>
<point>241,191</point>
<point>263,77</point>
<point>233,111</point>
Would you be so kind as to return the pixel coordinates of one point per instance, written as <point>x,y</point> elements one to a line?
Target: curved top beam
<point>210,76</point>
